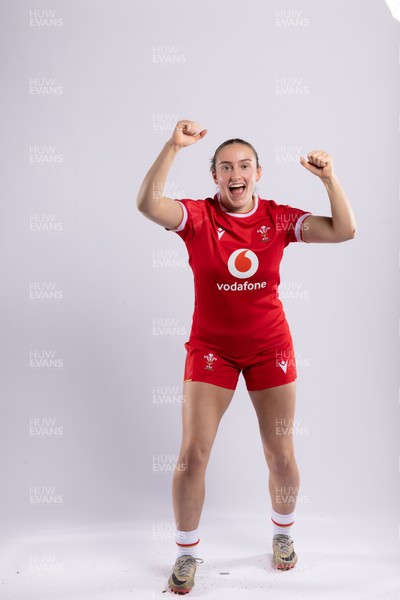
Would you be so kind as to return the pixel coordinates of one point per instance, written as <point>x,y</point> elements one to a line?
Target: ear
<point>259,173</point>
<point>214,176</point>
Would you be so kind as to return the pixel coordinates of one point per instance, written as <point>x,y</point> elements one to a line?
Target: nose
<point>235,176</point>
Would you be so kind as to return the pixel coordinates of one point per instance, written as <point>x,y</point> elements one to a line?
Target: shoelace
<point>184,564</point>
<point>284,542</point>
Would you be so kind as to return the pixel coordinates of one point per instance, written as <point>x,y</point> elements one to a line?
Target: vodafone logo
<point>243,263</point>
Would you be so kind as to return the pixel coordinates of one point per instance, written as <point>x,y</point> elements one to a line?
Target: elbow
<point>147,211</point>
<point>141,205</point>
<point>147,204</point>
<point>352,234</point>
<point>143,212</point>
<point>347,236</point>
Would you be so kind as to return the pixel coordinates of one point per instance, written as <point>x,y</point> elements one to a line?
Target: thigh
<point>202,409</point>
<point>275,409</point>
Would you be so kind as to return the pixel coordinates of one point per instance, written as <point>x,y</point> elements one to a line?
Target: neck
<point>239,210</point>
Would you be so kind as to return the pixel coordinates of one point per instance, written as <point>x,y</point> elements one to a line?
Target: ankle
<point>187,542</point>
<point>282,524</point>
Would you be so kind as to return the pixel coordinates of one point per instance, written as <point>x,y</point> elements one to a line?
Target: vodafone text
<point>240,287</point>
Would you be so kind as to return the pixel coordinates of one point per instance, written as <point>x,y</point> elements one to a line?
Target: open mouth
<point>237,189</point>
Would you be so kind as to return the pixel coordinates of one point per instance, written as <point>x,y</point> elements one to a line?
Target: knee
<point>194,458</point>
<point>280,462</point>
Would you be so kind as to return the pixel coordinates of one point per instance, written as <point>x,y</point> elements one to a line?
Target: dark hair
<point>227,143</point>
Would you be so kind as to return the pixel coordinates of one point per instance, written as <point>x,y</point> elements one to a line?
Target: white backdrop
<point>97,300</point>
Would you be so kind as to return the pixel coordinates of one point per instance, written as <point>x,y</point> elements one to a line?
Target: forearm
<point>153,184</point>
<point>343,219</point>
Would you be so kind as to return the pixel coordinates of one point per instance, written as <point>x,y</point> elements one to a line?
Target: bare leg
<point>202,411</point>
<point>275,406</point>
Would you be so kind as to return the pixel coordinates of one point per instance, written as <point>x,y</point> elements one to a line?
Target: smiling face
<point>236,174</point>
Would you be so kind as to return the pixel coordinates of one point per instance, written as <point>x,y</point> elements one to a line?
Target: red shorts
<point>267,369</point>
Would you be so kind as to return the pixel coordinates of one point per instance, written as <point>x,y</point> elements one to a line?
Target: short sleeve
<point>291,222</point>
<point>192,218</point>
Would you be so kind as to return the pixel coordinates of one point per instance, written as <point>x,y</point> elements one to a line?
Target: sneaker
<point>183,572</point>
<point>284,557</point>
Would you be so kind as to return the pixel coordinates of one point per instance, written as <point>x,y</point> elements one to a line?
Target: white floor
<point>131,560</point>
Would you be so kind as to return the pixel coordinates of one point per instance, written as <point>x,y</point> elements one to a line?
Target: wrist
<point>329,180</point>
<point>171,146</point>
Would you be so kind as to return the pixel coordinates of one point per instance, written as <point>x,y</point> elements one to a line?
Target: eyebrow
<point>227,162</point>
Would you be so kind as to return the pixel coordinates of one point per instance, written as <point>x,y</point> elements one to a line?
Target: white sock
<point>282,523</point>
<point>187,542</point>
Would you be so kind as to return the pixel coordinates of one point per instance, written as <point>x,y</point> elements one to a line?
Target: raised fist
<point>187,133</point>
<point>319,163</point>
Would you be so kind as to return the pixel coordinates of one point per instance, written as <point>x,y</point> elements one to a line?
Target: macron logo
<point>220,232</point>
<point>283,365</point>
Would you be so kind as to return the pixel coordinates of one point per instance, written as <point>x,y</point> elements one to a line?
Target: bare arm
<point>150,200</point>
<point>341,226</point>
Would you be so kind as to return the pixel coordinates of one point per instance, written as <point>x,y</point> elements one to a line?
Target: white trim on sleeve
<point>297,229</point>
<point>184,218</point>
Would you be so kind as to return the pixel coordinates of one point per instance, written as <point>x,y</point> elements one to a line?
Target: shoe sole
<point>285,566</point>
<point>180,591</point>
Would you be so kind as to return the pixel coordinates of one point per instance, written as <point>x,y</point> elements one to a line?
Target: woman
<point>235,243</point>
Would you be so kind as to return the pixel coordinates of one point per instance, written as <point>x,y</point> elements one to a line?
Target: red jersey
<point>235,258</point>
